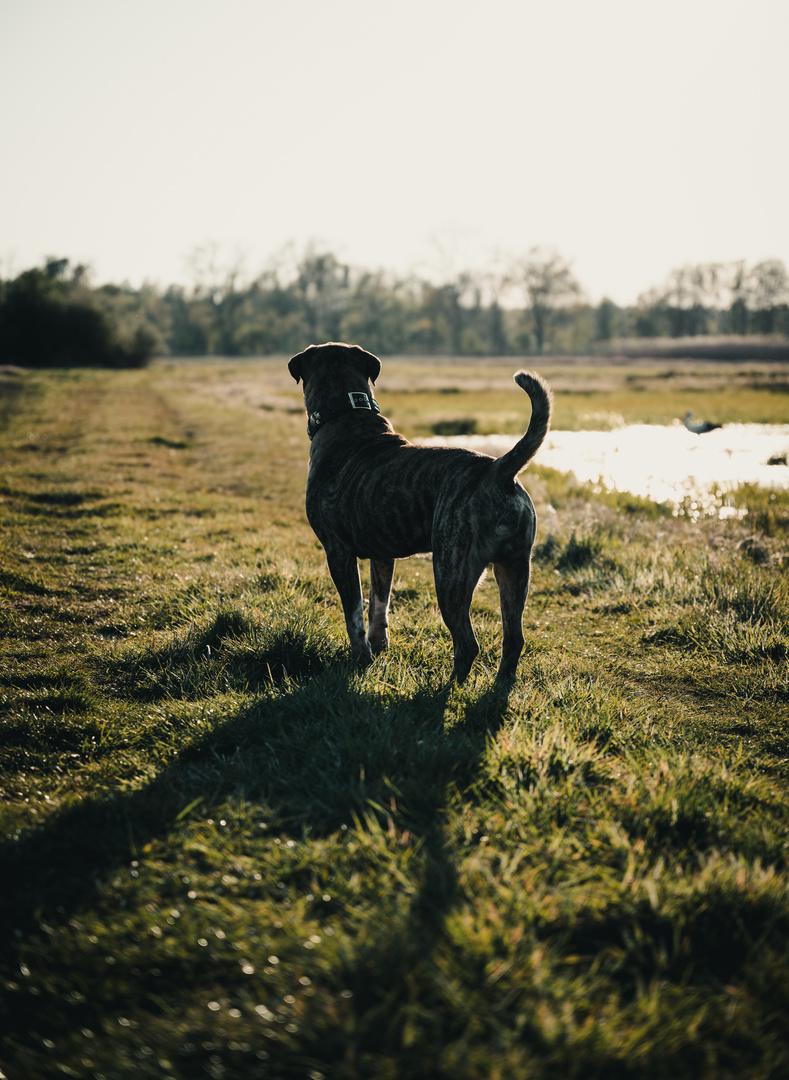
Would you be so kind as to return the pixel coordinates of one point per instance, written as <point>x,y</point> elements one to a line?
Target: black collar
<point>355,399</point>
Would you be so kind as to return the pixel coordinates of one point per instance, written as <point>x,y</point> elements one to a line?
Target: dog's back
<point>396,497</point>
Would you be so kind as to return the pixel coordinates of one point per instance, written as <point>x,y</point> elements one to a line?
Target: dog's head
<point>326,370</point>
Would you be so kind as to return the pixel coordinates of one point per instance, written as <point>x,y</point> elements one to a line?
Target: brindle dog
<point>371,494</point>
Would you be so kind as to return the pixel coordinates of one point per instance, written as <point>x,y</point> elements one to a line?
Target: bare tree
<point>548,284</point>
<point>769,287</point>
<point>219,281</point>
<point>323,285</point>
<point>691,293</point>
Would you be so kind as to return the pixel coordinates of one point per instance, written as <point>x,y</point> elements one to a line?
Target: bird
<point>698,427</point>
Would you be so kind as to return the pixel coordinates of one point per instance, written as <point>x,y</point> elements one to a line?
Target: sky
<point>436,136</point>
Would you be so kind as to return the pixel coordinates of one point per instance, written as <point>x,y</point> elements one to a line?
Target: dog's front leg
<point>381,572</point>
<point>344,570</point>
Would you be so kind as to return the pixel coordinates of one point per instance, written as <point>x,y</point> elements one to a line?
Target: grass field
<point>229,853</point>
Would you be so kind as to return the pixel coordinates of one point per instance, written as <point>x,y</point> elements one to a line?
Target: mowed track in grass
<point>228,852</point>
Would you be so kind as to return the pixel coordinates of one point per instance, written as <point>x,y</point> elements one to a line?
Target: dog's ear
<point>372,364</point>
<point>296,365</point>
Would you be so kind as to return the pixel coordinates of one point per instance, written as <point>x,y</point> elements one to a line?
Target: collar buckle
<point>343,403</point>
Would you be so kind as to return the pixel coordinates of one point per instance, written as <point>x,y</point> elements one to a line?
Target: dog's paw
<point>378,644</point>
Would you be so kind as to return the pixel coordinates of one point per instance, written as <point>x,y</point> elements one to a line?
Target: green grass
<point>227,852</point>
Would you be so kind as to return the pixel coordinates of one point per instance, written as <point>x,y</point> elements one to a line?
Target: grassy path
<point>227,852</point>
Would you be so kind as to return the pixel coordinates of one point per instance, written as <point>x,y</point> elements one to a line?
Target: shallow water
<point>666,464</point>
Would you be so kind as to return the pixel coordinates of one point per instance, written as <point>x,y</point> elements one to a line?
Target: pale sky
<point>632,135</point>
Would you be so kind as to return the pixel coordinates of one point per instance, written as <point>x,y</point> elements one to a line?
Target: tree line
<point>52,315</point>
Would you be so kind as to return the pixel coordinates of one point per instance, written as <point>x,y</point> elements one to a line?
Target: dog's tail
<point>511,463</point>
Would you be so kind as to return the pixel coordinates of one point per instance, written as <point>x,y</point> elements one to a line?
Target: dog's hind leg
<point>344,570</point>
<point>512,578</point>
<point>381,572</point>
<point>455,585</point>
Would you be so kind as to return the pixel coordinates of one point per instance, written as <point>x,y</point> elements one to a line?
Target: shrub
<point>48,319</point>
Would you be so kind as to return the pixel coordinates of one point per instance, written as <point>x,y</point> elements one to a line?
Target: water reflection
<point>667,464</point>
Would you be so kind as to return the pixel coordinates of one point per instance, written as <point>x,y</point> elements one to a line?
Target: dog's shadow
<point>314,755</point>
